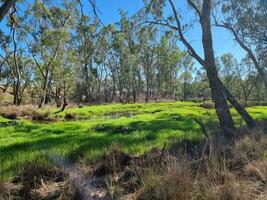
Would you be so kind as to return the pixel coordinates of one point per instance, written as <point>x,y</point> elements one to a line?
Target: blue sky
<point>109,13</point>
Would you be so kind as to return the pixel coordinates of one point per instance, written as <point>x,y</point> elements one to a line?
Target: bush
<point>207,105</point>
<point>69,116</point>
<point>38,116</point>
<point>10,115</point>
<point>248,149</point>
<point>20,111</point>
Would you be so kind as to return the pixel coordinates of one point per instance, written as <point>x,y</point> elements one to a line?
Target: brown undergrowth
<point>25,111</point>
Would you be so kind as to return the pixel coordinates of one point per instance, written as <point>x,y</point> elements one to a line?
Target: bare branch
<point>162,24</point>
<point>242,45</point>
<point>194,6</point>
<point>5,8</point>
<point>183,39</point>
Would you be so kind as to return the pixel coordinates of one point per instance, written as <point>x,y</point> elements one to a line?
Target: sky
<point>109,13</point>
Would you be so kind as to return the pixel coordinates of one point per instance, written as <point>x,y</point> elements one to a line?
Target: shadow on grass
<point>74,140</point>
<point>153,126</point>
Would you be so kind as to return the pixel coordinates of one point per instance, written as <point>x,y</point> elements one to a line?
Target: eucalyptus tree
<point>49,28</point>
<point>203,11</point>
<point>146,39</point>
<point>107,61</point>
<point>229,66</point>
<point>17,67</point>
<point>246,20</point>
<point>130,51</point>
<point>240,77</point>
<point>168,58</point>
<point>186,71</point>
<point>248,78</point>
<point>85,39</point>
<point>64,76</point>
<point>201,85</point>
<point>122,68</point>
<point>5,40</point>
<point>122,59</point>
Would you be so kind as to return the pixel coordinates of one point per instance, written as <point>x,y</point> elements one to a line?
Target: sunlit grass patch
<point>136,128</point>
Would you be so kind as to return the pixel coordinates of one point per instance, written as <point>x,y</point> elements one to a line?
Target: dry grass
<point>39,181</point>
<point>25,111</point>
<point>19,111</point>
<point>208,177</point>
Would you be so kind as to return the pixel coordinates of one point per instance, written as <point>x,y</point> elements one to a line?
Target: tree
<point>247,78</point>
<point>168,58</point>
<point>49,32</point>
<point>18,68</point>
<point>246,20</point>
<point>186,75</point>
<point>147,37</point>
<point>228,69</point>
<point>218,91</point>
<point>5,7</point>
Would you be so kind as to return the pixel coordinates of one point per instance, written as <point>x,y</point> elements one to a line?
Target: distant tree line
<point>54,50</point>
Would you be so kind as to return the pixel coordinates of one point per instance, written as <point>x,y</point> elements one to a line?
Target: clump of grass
<point>173,180</point>
<point>205,177</point>
<point>33,173</point>
<point>102,127</point>
<point>39,180</point>
<point>41,116</point>
<point>248,149</point>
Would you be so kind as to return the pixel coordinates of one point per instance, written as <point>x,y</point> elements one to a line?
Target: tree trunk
<point>185,91</point>
<point>5,87</point>
<point>64,104</point>
<point>239,108</point>
<point>217,93</point>
<point>45,88</point>
<point>147,89</point>
<point>57,96</point>
<point>5,8</point>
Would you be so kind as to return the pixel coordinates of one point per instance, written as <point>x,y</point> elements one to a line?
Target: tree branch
<point>5,8</point>
<point>194,6</point>
<point>183,39</point>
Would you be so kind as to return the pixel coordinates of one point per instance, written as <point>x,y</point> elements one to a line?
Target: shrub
<point>69,116</point>
<point>38,116</point>
<point>20,111</point>
<point>10,115</point>
<point>207,105</point>
<point>251,147</point>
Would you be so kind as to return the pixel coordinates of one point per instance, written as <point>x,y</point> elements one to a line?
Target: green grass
<point>135,128</point>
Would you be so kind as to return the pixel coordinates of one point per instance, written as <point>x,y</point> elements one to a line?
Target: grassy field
<point>92,130</point>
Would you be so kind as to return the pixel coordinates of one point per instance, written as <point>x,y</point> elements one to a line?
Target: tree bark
<point>5,8</point>
<point>239,108</point>
<point>217,91</point>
